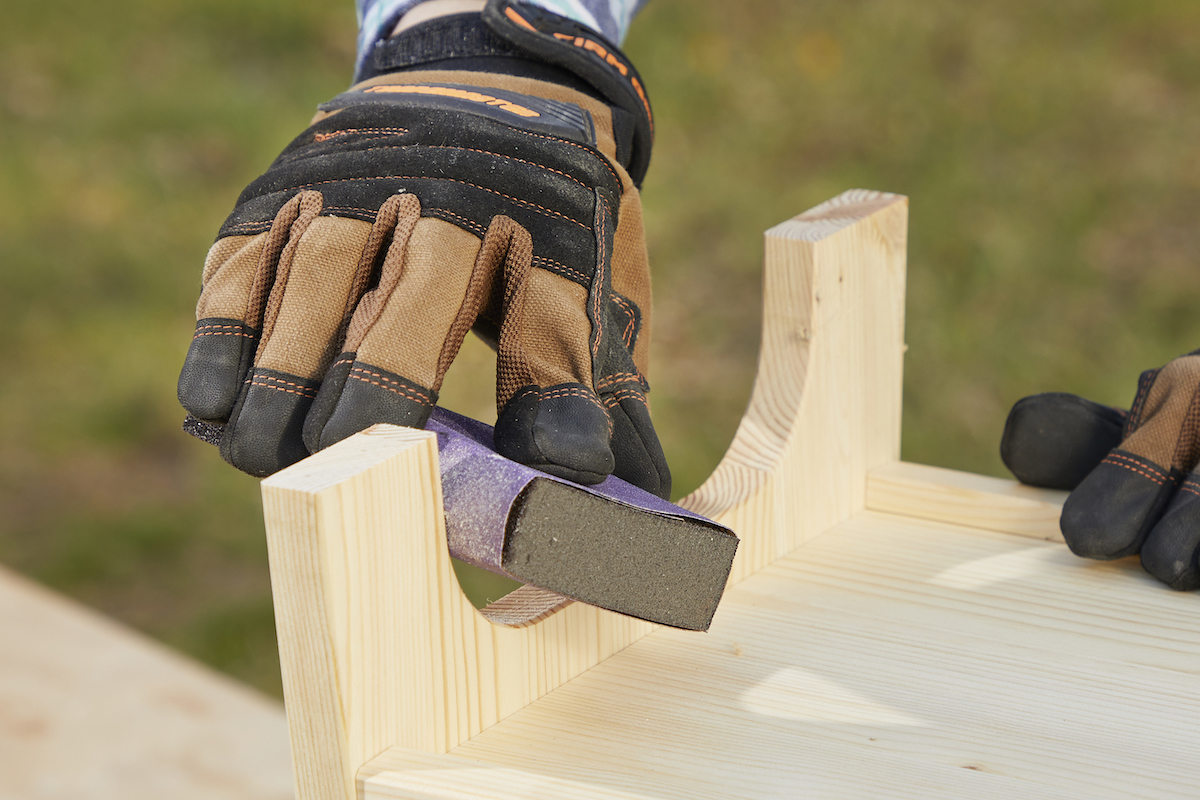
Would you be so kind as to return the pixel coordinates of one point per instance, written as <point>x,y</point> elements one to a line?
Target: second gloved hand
<point>1135,489</point>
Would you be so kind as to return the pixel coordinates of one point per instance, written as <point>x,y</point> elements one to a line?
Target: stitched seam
<point>599,277</point>
<point>576,181</point>
<point>473,226</point>
<point>627,307</point>
<point>620,377</point>
<point>551,265</point>
<point>199,335</point>
<point>1156,478</point>
<point>557,393</point>
<point>616,397</point>
<point>382,133</point>
<point>590,152</point>
<point>303,391</point>
<point>1188,487</point>
<point>1140,464</point>
<point>404,390</point>
<point>516,200</point>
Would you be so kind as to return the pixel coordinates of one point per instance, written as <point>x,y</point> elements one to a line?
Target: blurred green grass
<point>1050,152</point>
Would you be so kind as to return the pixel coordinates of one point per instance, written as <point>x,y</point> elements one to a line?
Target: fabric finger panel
<point>549,416</point>
<point>389,370</point>
<point>224,341</point>
<point>238,276</point>
<point>631,280</point>
<point>302,330</point>
<point>1112,511</point>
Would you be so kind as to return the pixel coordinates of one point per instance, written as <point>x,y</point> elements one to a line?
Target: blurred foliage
<point>1050,152</point>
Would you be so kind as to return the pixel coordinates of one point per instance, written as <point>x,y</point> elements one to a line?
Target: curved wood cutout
<point>825,406</point>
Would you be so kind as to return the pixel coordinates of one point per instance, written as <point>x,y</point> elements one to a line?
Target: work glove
<point>486,178</point>
<point>1132,474</point>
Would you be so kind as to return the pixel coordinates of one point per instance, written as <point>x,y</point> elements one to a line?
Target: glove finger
<point>549,416</point>
<point>238,275</point>
<point>1055,439</point>
<point>321,271</point>
<point>1171,552</point>
<point>639,455</point>
<point>405,332</point>
<point>1113,510</point>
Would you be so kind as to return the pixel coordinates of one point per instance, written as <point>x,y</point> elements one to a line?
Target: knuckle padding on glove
<point>448,180</point>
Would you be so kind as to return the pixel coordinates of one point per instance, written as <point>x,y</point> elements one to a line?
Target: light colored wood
<point>379,647</point>
<point>825,406</point>
<point>977,501</point>
<point>91,710</point>
<point>887,658</point>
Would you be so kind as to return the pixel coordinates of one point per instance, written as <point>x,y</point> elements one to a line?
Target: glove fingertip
<point>217,358</point>
<point>1054,440</point>
<point>1171,552</point>
<point>355,396</point>
<point>1110,513</point>
<point>639,455</point>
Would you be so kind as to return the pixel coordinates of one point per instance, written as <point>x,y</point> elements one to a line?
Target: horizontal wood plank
<point>963,498</point>
<point>888,658</point>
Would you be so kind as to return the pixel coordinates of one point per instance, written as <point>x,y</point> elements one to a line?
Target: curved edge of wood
<point>833,319</point>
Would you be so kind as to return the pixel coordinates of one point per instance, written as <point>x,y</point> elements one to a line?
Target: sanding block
<point>611,545</point>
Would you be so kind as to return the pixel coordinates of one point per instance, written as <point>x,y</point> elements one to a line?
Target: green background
<point>1049,151</point>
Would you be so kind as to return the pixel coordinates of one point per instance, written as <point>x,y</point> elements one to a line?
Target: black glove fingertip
<point>1054,440</point>
<point>1172,548</point>
<point>639,455</point>
<point>1111,512</point>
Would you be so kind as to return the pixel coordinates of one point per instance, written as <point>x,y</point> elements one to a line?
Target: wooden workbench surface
<point>890,657</point>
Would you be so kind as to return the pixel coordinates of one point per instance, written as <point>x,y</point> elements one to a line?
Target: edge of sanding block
<point>610,545</point>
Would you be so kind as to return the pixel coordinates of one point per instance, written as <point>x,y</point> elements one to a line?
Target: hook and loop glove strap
<point>1133,474</point>
<point>418,205</point>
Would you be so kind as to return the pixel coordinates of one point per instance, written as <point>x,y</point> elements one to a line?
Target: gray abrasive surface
<point>611,545</point>
<point>669,570</point>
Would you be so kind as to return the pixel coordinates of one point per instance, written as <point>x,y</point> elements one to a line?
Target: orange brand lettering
<point>461,94</point>
<point>517,18</point>
<point>595,48</point>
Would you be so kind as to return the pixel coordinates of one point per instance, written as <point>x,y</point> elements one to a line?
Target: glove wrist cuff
<point>513,33</point>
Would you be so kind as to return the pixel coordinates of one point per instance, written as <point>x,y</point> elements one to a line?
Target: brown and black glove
<point>486,177</point>
<point>1132,474</point>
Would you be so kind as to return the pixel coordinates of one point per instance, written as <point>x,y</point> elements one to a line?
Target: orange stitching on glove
<point>1156,478</point>
<point>324,137</point>
<point>304,390</point>
<point>543,209</point>
<point>406,391</point>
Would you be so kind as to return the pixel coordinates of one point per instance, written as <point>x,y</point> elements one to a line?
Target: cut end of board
<point>667,570</point>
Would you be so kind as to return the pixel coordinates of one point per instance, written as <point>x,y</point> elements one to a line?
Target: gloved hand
<point>1133,474</point>
<point>486,178</point>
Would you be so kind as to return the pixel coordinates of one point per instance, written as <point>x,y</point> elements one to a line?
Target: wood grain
<point>888,658</point>
<point>381,650</point>
<point>826,400</point>
<point>978,501</point>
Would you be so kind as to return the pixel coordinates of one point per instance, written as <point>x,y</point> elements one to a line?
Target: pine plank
<point>888,658</point>
<point>977,501</point>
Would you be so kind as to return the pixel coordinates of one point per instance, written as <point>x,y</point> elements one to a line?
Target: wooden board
<point>378,646</point>
<point>888,658</point>
<point>91,710</point>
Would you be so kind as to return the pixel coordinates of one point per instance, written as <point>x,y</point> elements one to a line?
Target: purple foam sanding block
<point>611,545</point>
